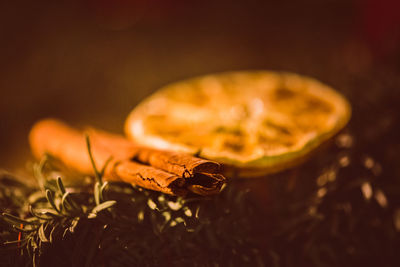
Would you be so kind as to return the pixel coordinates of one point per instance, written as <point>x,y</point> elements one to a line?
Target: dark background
<point>91,62</point>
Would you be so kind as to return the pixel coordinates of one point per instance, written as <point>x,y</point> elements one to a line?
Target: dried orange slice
<point>257,122</point>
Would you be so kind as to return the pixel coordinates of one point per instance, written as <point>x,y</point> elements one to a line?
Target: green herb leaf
<point>50,199</point>
<point>60,186</point>
<point>105,166</point>
<point>16,221</point>
<point>97,195</point>
<point>97,174</point>
<point>103,206</point>
<point>42,235</point>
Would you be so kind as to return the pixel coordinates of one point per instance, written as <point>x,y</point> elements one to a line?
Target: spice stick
<point>148,177</point>
<point>164,171</point>
<point>180,164</point>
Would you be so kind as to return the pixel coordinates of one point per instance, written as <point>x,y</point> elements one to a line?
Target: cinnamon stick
<point>180,164</point>
<point>165,171</point>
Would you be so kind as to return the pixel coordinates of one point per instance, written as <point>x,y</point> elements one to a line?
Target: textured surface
<point>249,119</point>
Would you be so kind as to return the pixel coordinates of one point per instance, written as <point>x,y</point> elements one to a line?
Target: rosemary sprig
<point>99,185</point>
<point>120,225</point>
<point>325,213</point>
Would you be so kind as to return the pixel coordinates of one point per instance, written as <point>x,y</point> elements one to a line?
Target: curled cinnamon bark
<point>165,171</point>
<point>180,164</point>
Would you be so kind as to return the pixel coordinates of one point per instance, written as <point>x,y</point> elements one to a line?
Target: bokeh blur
<point>91,62</point>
